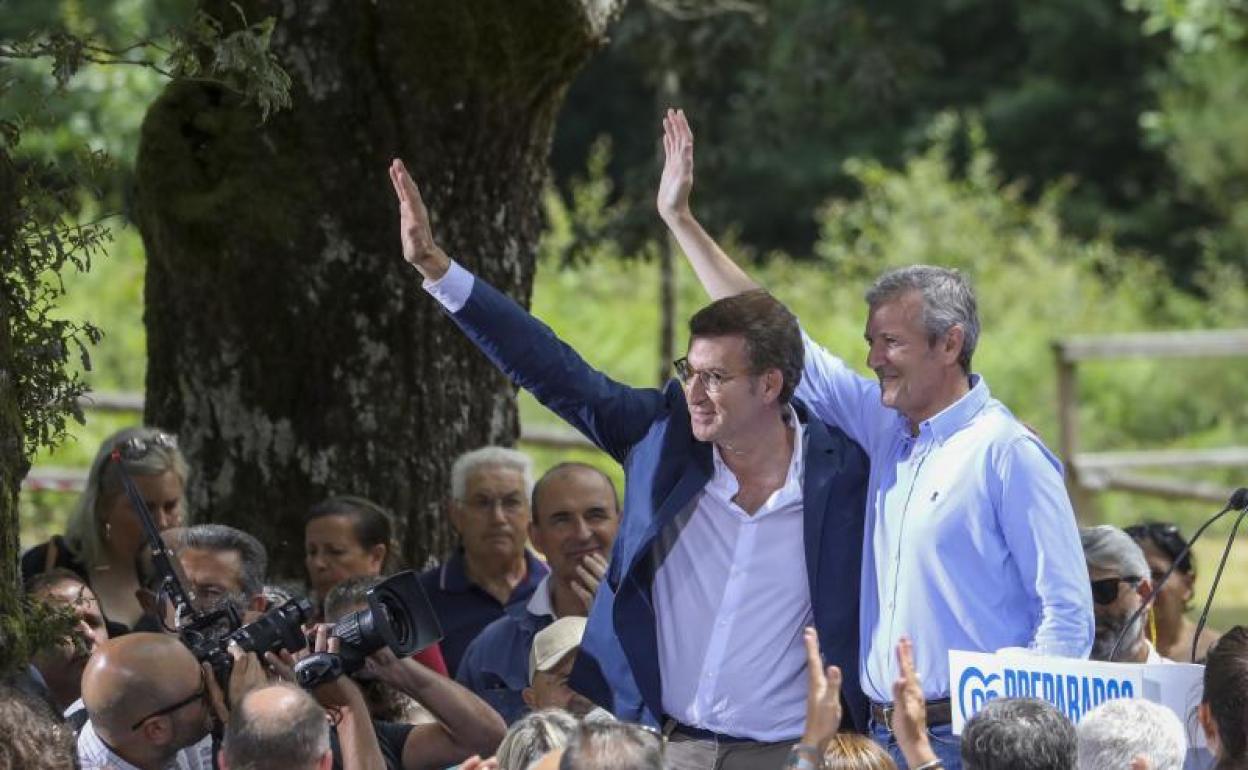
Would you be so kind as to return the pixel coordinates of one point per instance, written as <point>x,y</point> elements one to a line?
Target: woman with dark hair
<point>105,535</point>
<point>353,537</point>
<point>1223,709</point>
<point>1162,543</point>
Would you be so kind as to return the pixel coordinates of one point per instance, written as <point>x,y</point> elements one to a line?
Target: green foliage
<point>1196,25</point>
<point>239,59</point>
<point>780,101</point>
<point>42,244</point>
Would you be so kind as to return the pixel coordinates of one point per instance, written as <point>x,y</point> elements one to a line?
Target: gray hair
<point>348,594</point>
<point>1018,734</point>
<point>533,736</point>
<point>293,736</point>
<point>85,532</point>
<point>613,746</point>
<point>1117,731</point>
<point>948,301</point>
<point>489,457</point>
<point>218,538</point>
<point>1109,548</point>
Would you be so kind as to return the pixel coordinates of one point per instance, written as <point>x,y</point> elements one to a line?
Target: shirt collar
<point>954,417</point>
<point>454,574</point>
<point>724,476</point>
<point>92,746</point>
<point>542,602</point>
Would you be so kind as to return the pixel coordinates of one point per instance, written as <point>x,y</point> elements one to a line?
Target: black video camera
<point>399,616</point>
<point>281,628</point>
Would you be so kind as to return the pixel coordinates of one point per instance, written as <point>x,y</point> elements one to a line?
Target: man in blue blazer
<point>742,520</point>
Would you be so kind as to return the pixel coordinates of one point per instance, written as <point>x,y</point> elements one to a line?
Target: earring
<point>108,530</point>
<point>1152,626</point>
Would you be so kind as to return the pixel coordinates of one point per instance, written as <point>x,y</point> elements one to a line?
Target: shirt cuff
<point>452,289</point>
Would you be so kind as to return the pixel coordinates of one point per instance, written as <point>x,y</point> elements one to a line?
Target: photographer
<point>466,724</point>
<point>147,701</point>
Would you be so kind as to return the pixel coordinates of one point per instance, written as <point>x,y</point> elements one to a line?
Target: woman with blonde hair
<point>852,751</point>
<point>105,535</point>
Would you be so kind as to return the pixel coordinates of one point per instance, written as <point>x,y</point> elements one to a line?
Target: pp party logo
<point>975,689</point>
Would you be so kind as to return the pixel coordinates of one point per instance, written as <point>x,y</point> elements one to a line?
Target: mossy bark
<point>289,346</point>
<point>13,462</point>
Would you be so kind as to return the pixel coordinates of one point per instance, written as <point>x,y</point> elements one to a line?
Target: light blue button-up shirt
<point>970,539</point>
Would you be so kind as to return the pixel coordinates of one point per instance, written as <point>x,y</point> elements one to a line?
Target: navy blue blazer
<point>647,431</point>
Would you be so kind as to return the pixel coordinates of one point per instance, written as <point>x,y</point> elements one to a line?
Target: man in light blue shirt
<point>970,542</point>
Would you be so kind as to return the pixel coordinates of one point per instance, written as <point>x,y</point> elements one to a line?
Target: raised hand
<point>909,718</point>
<point>417,236</point>
<point>589,574</point>
<point>677,179</point>
<point>823,697</point>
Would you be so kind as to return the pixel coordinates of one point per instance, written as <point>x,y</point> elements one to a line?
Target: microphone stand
<point>1239,499</point>
<point>189,622</point>
<point>1204,615</point>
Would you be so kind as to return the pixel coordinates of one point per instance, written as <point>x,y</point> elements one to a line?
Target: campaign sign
<point>1075,687</point>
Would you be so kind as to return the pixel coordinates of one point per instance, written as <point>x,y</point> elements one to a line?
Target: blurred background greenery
<point>1082,160</point>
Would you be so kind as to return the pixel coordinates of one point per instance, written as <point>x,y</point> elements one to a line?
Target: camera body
<point>399,616</point>
<point>281,628</point>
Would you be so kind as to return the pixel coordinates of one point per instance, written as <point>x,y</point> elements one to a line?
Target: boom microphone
<point>1238,501</point>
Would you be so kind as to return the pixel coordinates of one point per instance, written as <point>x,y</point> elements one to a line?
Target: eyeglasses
<point>138,447</point>
<point>511,505</point>
<point>711,380</point>
<point>197,695</point>
<point>1106,591</point>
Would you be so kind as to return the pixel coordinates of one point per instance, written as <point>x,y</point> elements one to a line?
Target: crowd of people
<point>796,550</point>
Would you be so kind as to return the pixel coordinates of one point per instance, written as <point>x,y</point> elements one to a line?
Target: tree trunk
<point>13,462</point>
<point>289,345</point>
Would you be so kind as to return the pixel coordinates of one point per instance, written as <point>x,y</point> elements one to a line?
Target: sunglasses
<point>199,694</point>
<point>138,447</point>
<point>1106,591</point>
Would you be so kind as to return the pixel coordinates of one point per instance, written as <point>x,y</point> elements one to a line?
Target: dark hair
<point>773,339</point>
<point>1019,734</point>
<point>566,467</point>
<point>219,537</point>
<point>348,594</point>
<point>613,746</point>
<point>32,736</point>
<point>1226,692</point>
<point>45,581</point>
<point>295,737</point>
<point>1167,538</point>
<point>370,523</point>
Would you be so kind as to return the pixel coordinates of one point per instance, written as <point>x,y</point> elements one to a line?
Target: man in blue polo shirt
<point>575,520</point>
<point>491,570</point>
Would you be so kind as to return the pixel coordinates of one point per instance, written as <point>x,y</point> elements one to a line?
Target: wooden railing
<point>1090,472</point>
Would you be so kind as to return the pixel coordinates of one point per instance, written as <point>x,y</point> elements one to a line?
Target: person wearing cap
<point>550,662</point>
<point>575,520</point>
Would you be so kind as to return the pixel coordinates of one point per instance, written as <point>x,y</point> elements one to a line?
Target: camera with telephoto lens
<point>399,616</point>
<point>281,628</point>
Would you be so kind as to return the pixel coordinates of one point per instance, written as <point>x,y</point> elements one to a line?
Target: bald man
<point>279,727</point>
<point>148,707</point>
